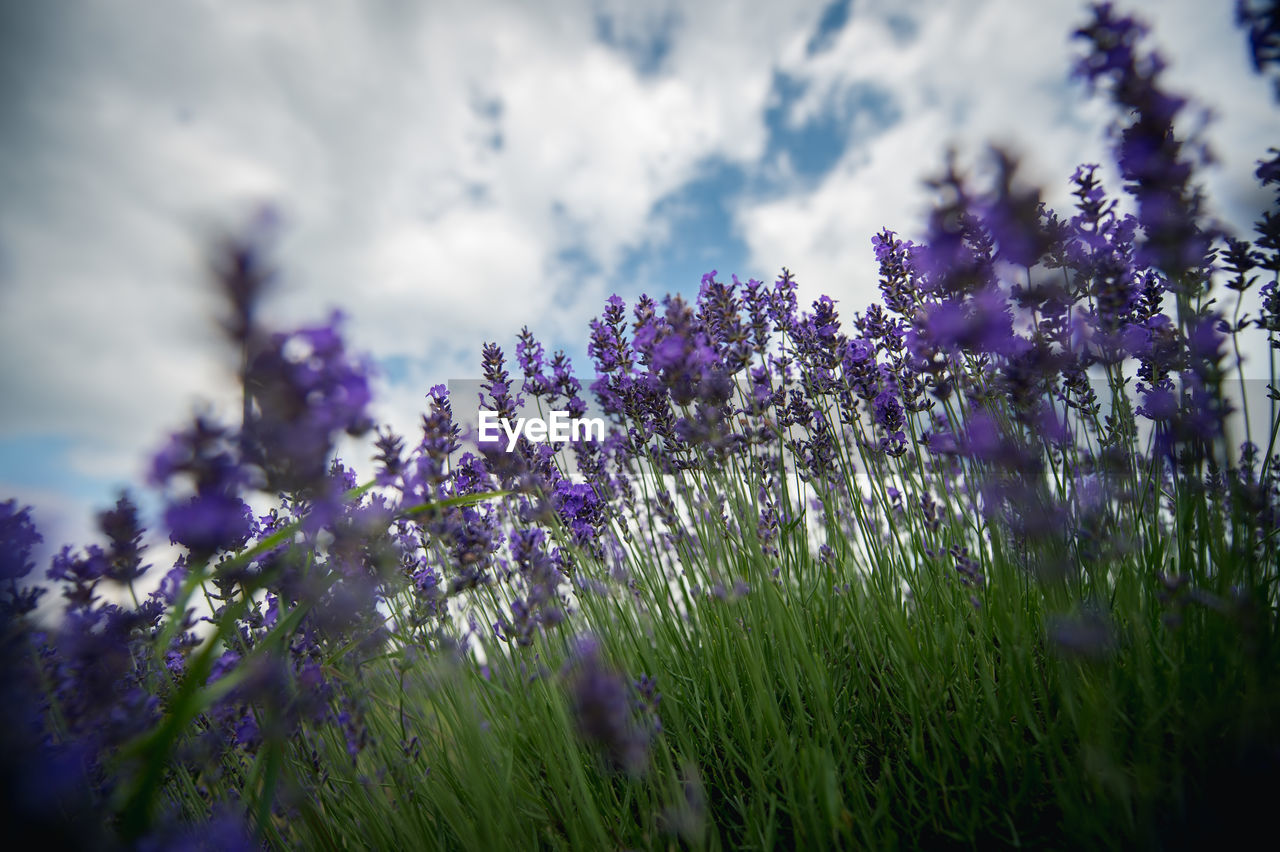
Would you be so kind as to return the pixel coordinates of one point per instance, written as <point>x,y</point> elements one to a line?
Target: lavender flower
<point>679,350</point>
<point>304,391</point>
<point>529,355</point>
<point>124,531</point>
<point>608,346</point>
<point>424,472</point>
<point>888,411</point>
<point>496,389</point>
<point>224,831</point>
<point>719,310</point>
<point>1015,217</point>
<point>1154,161</point>
<point>18,539</point>
<point>213,518</point>
<point>1261,20</point>
<point>565,386</point>
<point>1087,635</point>
<point>958,256</point>
<point>46,789</point>
<point>604,709</point>
<point>899,281</point>
<point>580,509</point>
<point>540,578</point>
<point>783,302</point>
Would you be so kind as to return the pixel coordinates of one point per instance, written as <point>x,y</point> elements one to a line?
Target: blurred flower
<point>1152,158</point>
<point>208,523</point>
<point>18,541</point>
<point>1087,635</point>
<point>213,518</point>
<point>604,709</point>
<point>304,391</point>
<point>1261,20</point>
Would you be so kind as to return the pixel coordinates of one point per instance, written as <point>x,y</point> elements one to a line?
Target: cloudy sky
<point>447,172</point>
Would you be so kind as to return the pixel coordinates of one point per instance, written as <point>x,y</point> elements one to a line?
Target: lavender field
<point>989,563</point>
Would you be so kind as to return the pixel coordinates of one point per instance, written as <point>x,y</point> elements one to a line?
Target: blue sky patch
<point>646,50</point>
<point>397,369</point>
<point>703,236</point>
<point>40,462</point>
<point>576,263</point>
<point>903,28</point>
<point>833,19</point>
<point>816,146</point>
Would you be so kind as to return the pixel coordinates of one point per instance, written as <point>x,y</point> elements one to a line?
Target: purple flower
<point>224,831</point>
<point>783,303</point>
<point>604,709</point>
<point>859,351</point>
<point>648,697</point>
<point>756,298</point>
<point>18,538</point>
<point>80,574</point>
<point>1152,158</point>
<point>124,531</point>
<point>565,386</point>
<point>1261,20</point>
<point>496,389</point>
<point>18,541</point>
<point>94,667</point>
<point>942,443</point>
<point>1015,217</point>
<point>303,391</point>
<point>354,732</point>
<point>820,347</point>
<point>608,346</point>
<point>46,783</point>
<point>719,310</point>
<point>888,411</point>
<point>967,567</point>
<point>389,456</point>
<point>208,523</point>
<point>541,578</point>
<point>678,348</point>
<point>958,256</point>
<point>424,471</point>
<point>204,453</point>
<point>580,509</point>
<point>529,355</point>
<point>244,274</point>
<point>981,324</point>
<point>469,536</point>
<point>1088,635</point>
<point>1239,259</point>
<point>985,440</point>
<point>214,517</point>
<point>899,280</point>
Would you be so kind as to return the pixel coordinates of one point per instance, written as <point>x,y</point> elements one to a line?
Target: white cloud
<point>477,268</point>
<point>972,75</point>
<point>434,161</point>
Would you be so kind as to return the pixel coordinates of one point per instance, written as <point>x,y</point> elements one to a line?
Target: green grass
<point>836,704</point>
